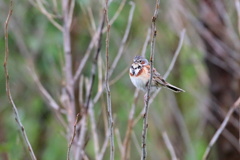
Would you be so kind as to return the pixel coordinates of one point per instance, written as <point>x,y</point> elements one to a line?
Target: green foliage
<point>45,45</point>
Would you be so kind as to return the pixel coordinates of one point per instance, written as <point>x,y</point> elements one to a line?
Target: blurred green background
<point>32,36</point>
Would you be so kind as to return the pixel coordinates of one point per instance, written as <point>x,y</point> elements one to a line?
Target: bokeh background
<point>207,68</point>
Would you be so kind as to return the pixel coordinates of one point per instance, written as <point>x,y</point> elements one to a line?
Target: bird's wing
<point>157,78</point>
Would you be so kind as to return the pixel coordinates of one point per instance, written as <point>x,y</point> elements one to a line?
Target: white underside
<point>141,84</point>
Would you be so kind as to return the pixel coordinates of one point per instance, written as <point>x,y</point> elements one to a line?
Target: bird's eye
<point>140,61</point>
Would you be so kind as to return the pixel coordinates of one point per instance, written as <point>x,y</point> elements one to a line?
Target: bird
<point>139,73</point>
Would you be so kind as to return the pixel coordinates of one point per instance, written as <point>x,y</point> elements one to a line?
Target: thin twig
<point>73,136</point>
<point>123,42</point>
<point>173,61</point>
<point>68,57</point>
<point>182,125</point>
<point>146,106</point>
<point>87,54</point>
<point>119,76</point>
<point>49,99</point>
<point>119,140</point>
<point>169,146</point>
<point>226,133</point>
<point>120,51</point>
<point>91,17</point>
<point>126,141</point>
<point>104,146</point>
<point>49,16</point>
<point>109,105</point>
<point>117,13</point>
<point>67,10</point>
<point>237,4</point>
<point>221,128</point>
<point>94,65</point>
<point>146,42</point>
<point>137,144</point>
<point>15,110</point>
<point>81,139</point>
<point>94,130</point>
<point>182,35</point>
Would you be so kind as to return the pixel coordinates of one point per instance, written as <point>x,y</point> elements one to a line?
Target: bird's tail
<point>174,88</point>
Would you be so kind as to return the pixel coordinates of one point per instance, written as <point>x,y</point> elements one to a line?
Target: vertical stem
<point>109,105</point>
<point>68,57</point>
<point>15,110</point>
<point>146,106</point>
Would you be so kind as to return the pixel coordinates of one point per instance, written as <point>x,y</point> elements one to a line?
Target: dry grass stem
<point>221,128</point>
<point>123,42</point>
<point>146,42</point>
<point>119,140</point>
<point>88,52</point>
<point>15,110</point>
<point>73,136</point>
<point>81,138</point>
<point>94,65</point>
<point>237,4</point>
<point>126,142</point>
<point>109,103</point>
<point>169,146</point>
<point>67,19</point>
<point>49,16</point>
<point>49,99</point>
<point>146,106</point>
<point>94,130</point>
<point>119,76</point>
<point>104,146</point>
<point>174,59</point>
<point>117,13</point>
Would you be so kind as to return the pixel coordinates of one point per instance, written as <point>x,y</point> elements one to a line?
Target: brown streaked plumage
<point>140,74</point>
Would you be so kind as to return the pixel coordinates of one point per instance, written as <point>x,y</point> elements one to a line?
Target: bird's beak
<point>132,71</point>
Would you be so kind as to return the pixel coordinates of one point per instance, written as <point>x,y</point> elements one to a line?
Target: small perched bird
<point>139,73</point>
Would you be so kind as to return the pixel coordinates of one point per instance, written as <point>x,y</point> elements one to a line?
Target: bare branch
<point>94,65</point>
<point>226,133</point>
<point>115,15</point>
<point>221,128</point>
<point>104,146</point>
<point>49,16</point>
<point>146,107</point>
<point>182,35</point>
<point>87,54</point>
<point>67,19</point>
<point>146,42</point>
<point>123,42</point>
<point>169,146</point>
<point>73,136</point>
<point>120,75</point>
<point>94,131</point>
<point>119,140</point>
<point>237,4</point>
<point>126,141</point>
<point>15,110</point>
<point>137,144</point>
<point>81,139</point>
<point>48,98</point>
<point>52,103</point>
<point>109,105</point>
